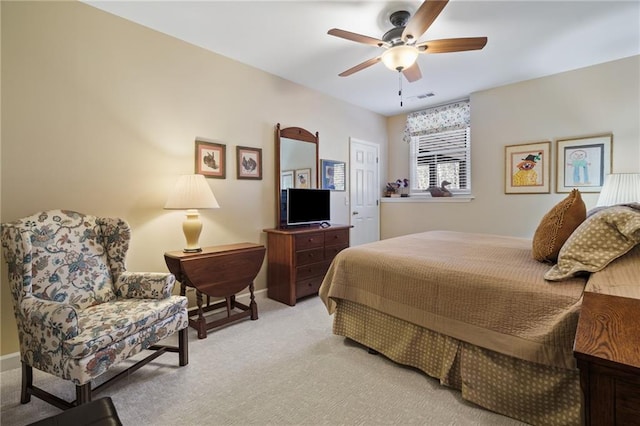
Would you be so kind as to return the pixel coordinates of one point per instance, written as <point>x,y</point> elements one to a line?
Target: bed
<point>478,313</point>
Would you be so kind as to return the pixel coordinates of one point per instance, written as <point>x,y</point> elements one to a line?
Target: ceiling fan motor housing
<point>399,20</point>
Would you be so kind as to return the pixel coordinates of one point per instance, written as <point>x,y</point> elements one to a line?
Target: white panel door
<point>364,188</point>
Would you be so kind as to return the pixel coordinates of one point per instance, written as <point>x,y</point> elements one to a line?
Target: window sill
<point>428,199</point>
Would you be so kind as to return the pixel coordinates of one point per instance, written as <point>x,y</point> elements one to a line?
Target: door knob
<point>354,213</point>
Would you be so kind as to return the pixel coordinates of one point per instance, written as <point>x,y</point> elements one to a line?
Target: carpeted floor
<point>286,368</point>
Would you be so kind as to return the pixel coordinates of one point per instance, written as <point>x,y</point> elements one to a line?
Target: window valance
<point>452,116</point>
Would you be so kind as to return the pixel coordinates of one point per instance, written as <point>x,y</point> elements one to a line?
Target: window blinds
<point>441,156</point>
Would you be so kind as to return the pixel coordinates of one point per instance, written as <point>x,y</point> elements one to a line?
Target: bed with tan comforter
<point>474,311</point>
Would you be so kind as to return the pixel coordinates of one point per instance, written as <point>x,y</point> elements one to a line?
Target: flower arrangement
<point>399,187</point>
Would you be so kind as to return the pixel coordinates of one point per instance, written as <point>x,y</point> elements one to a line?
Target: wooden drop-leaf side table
<point>221,272</point>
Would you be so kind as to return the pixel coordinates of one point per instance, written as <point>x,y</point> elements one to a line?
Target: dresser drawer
<point>308,241</point>
<point>308,286</point>
<point>306,257</point>
<point>338,237</point>
<point>312,270</point>
<point>332,251</point>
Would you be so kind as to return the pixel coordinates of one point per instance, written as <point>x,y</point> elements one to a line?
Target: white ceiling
<point>527,39</point>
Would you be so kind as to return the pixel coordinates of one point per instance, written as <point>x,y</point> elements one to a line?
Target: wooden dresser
<point>607,348</point>
<point>298,259</point>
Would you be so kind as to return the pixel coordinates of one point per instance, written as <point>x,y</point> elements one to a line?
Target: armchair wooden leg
<point>183,346</point>
<point>27,383</point>
<point>83,393</point>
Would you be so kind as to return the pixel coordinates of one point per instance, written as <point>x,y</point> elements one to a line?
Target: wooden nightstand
<point>607,348</point>
<point>220,271</point>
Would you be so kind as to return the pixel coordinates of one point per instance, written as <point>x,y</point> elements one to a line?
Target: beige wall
<point>599,99</point>
<point>100,115</point>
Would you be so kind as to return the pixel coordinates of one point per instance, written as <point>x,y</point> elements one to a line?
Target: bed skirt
<point>523,390</point>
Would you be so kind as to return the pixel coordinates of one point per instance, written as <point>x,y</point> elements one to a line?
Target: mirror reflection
<point>296,161</point>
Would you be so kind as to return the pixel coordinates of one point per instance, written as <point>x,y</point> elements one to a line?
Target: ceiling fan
<point>400,43</point>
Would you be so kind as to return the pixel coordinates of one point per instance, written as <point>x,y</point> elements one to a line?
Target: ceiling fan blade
<point>355,37</point>
<point>422,19</point>
<point>412,73</point>
<point>360,67</point>
<point>452,45</point>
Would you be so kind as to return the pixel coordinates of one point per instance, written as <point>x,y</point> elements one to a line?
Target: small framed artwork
<point>211,159</point>
<point>249,162</point>
<point>333,175</point>
<point>528,168</point>
<point>583,162</point>
<point>302,178</point>
<point>286,179</point>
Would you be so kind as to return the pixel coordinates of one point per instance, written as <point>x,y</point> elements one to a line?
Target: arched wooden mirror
<point>296,162</point>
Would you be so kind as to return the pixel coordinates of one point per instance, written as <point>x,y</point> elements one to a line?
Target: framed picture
<point>528,168</point>
<point>333,175</point>
<point>302,178</point>
<point>211,159</point>
<point>249,162</point>
<point>286,179</point>
<point>583,162</point>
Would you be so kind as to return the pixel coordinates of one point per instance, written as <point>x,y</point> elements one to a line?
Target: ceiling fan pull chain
<point>400,87</point>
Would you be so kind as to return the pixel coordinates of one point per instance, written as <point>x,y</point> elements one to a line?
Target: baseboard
<point>9,361</point>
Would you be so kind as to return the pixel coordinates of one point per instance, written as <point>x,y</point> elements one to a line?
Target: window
<point>441,156</point>
<point>440,147</point>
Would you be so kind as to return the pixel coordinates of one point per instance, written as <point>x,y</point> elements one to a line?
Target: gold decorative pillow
<point>598,241</point>
<point>556,227</point>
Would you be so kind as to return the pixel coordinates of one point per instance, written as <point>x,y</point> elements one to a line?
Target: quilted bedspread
<point>483,289</point>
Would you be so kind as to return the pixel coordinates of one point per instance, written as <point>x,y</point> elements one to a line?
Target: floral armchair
<point>78,311</point>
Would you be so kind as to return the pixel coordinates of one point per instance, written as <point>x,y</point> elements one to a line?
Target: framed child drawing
<point>527,168</point>
<point>583,163</point>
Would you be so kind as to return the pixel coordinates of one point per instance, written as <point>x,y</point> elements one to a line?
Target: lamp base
<point>195,250</point>
<point>191,228</point>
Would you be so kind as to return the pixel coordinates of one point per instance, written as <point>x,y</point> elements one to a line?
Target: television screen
<point>307,206</point>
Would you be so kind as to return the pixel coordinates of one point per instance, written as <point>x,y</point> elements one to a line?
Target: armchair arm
<point>144,285</point>
<point>48,318</point>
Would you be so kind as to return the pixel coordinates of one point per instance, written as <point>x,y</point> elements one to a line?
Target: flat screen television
<point>306,206</point>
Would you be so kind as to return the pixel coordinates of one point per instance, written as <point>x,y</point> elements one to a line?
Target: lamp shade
<point>399,58</point>
<point>191,192</point>
<point>620,188</point>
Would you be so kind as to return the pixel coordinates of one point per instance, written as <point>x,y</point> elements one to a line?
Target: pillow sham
<point>599,240</point>
<point>556,227</point>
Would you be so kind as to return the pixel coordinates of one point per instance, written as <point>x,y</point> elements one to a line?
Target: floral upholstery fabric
<point>104,323</point>
<point>78,310</point>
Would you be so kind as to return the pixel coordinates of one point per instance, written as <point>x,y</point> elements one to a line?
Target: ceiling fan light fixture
<point>398,58</point>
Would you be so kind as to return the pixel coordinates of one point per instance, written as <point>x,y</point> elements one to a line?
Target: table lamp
<point>191,192</point>
<point>620,188</point>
